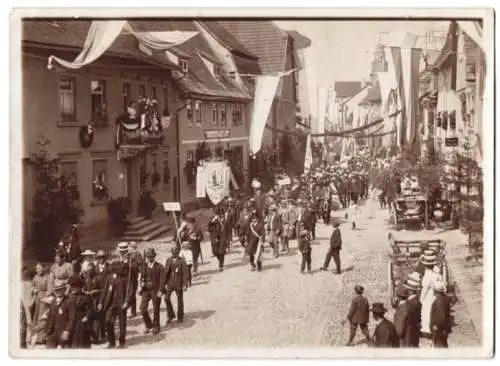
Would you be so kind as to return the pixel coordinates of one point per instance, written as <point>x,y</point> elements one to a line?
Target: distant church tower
<point>379,64</point>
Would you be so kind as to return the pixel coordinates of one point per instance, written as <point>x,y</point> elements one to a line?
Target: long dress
<point>41,287</point>
<point>427,297</point>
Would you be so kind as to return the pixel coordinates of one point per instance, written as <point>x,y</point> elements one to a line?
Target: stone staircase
<point>141,229</point>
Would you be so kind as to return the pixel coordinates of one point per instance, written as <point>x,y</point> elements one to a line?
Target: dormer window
<point>183,65</point>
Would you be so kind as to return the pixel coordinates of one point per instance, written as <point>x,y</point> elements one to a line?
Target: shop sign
<point>216,134</point>
<point>451,141</point>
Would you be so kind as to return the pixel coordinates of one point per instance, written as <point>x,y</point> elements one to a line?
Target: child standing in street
<point>188,258</point>
<point>305,249</point>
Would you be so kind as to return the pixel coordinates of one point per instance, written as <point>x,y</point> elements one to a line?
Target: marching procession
<point>84,295</point>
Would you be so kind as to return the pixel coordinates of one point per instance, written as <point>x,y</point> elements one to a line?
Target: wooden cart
<point>404,257</point>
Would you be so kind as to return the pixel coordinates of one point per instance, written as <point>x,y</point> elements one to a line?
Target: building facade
<point>59,104</point>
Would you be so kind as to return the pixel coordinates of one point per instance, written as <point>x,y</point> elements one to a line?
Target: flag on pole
<point>265,90</point>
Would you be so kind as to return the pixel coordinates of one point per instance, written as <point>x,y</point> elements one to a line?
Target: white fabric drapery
<point>474,31</point>
<point>102,34</point>
<point>322,103</point>
<point>308,158</point>
<point>100,37</point>
<point>265,89</point>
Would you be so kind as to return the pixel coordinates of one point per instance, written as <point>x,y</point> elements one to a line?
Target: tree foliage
<point>55,203</point>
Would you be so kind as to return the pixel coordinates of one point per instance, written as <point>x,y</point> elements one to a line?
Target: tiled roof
<point>198,80</point>
<point>227,39</point>
<point>264,39</point>
<point>373,95</point>
<point>345,89</point>
<point>72,34</point>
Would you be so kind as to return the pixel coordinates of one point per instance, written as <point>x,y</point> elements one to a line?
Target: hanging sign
<point>451,141</point>
<point>284,181</point>
<point>216,134</point>
<point>171,206</point>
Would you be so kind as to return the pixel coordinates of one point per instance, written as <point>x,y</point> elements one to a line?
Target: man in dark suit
<point>358,315</point>
<point>194,235</point>
<point>102,273</point>
<point>114,302</point>
<point>218,236</point>
<point>440,320</point>
<point>384,335</point>
<point>256,236</point>
<point>274,229</point>
<point>61,319</point>
<point>175,280</point>
<point>401,314</point>
<point>411,337</point>
<point>151,290</point>
<point>335,248</point>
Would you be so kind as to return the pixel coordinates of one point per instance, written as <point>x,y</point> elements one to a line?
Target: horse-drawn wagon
<point>405,257</point>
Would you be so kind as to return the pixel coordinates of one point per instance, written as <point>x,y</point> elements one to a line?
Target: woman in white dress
<point>431,276</point>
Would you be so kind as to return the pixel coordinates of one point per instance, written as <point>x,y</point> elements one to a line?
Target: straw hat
<point>88,252</point>
<point>412,282</point>
<point>429,260</point>
<point>100,254</point>
<point>440,287</point>
<point>123,246</point>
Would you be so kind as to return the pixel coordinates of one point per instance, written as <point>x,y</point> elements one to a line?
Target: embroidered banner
<point>215,182</point>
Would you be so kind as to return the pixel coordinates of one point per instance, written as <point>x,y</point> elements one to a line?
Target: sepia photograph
<point>274,181</point>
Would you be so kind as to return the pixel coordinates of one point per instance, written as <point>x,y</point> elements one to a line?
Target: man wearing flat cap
<point>62,317</point>
<point>358,315</point>
<point>151,290</point>
<point>440,319</point>
<point>175,279</point>
<point>335,248</point>
<point>401,314</point>
<point>384,335</point>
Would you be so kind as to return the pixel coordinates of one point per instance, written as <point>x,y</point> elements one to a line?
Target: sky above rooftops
<point>343,50</point>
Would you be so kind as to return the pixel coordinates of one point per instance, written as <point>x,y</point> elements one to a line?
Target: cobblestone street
<point>280,307</point>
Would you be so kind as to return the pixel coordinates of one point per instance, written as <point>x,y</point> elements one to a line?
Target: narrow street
<point>280,307</point>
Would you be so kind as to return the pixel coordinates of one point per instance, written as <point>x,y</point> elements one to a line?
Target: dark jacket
<point>275,223</point>
<point>359,313</point>
<point>176,273</point>
<point>101,277</point>
<point>401,320</point>
<point>253,241</point>
<point>61,317</point>
<point>84,309</point>
<point>412,330</point>
<point>195,236</point>
<point>336,240</point>
<point>217,227</point>
<point>385,335</point>
<point>152,278</point>
<point>305,245</point>
<point>440,314</point>
<point>117,291</point>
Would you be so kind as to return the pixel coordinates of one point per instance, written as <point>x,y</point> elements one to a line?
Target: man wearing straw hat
<point>440,320</point>
<point>427,294</point>
<point>62,317</point>
<point>414,307</point>
<point>87,258</point>
<point>384,335</point>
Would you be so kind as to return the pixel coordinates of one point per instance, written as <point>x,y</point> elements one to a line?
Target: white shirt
<point>187,255</point>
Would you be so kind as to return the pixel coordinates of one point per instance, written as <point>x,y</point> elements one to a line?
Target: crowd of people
<point>78,300</point>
